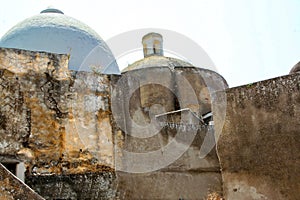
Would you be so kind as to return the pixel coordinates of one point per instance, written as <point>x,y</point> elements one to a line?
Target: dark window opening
<point>154,49</point>
<point>12,167</point>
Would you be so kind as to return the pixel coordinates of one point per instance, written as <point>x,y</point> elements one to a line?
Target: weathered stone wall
<point>89,138</point>
<point>14,115</point>
<point>141,95</point>
<point>31,106</point>
<point>57,121</point>
<point>259,148</point>
<point>168,185</point>
<point>11,188</point>
<point>198,83</point>
<point>96,185</point>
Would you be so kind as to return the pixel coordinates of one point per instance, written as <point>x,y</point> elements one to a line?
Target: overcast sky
<point>248,40</point>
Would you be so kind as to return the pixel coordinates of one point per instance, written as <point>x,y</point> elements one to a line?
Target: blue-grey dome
<point>54,32</point>
<point>295,69</point>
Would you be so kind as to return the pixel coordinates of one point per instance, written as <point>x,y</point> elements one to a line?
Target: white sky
<point>248,40</point>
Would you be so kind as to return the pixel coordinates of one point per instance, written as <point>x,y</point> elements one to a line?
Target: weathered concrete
<point>88,129</point>
<point>71,129</point>
<point>168,185</point>
<point>143,94</point>
<point>12,188</point>
<point>32,103</point>
<point>100,185</point>
<point>259,148</point>
<point>57,121</point>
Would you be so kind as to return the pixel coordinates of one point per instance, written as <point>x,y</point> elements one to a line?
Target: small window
<point>12,167</point>
<point>18,169</point>
<point>154,49</point>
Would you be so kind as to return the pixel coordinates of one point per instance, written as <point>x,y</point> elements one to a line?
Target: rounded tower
<point>184,79</point>
<point>164,105</point>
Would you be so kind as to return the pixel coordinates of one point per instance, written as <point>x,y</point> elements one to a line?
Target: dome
<point>295,69</point>
<point>157,61</point>
<point>54,32</point>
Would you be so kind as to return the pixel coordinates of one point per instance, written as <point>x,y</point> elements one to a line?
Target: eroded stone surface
<point>98,185</point>
<point>168,185</point>
<point>176,171</point>
<point>12,188</point>
<point>259,147</point>
<point>144,93</point>
<point>55,120</point>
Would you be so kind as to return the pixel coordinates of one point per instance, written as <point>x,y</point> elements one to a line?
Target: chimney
<point>153,44</point>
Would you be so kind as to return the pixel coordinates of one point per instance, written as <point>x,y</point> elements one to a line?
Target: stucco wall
<point>259,148</point>
<point>31,108</point>
<point>54,119</point>
<point>142,94</point>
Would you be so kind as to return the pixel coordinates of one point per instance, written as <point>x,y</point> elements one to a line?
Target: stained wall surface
<point>56,121</point>
<point>12,188</point>
<point>146,147</point>
<point>259,148</point>
<point>70,129</point>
